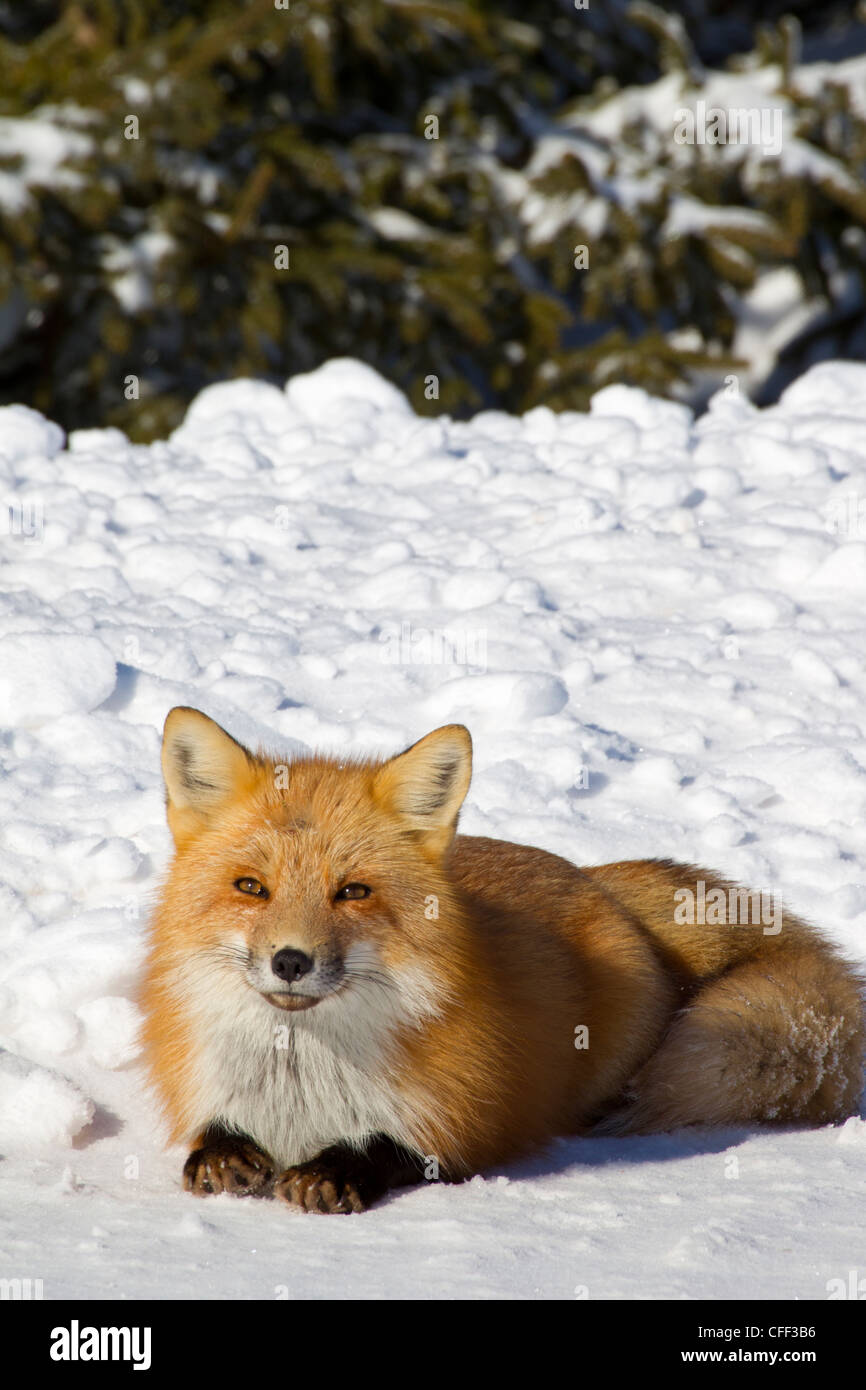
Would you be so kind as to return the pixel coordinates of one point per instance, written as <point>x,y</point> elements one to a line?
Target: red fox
<point>344,996</point>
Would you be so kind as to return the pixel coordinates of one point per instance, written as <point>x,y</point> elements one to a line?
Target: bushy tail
<point>778,1039</point>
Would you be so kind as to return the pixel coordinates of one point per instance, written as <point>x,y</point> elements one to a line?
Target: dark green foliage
<point>261,127</point>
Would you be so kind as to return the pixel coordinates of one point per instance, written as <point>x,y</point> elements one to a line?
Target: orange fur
<point>479,961</point>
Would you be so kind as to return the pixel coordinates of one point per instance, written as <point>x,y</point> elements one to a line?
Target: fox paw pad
<point>315,1187</point>
<point>232,1165</point>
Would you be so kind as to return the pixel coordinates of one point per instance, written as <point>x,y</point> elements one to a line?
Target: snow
<point>688,216</point>
<point>134,265</point>
<point>850,73</point>
<point>48,674</point>
<point>42,144</point>
<point>38,1107</point>
<point>396,225</point>
<point>653,626</point>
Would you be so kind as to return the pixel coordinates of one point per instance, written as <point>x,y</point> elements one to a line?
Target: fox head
<point>313,880</point>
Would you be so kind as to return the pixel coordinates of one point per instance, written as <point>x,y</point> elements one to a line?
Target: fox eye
<point>252,887</point>
<point>352,892</point>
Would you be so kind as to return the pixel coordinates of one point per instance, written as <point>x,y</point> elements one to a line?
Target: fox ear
<point>426,785</point>
<point>203,768</point>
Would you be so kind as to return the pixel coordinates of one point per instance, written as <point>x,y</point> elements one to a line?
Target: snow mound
<point>38,1108</point>
<point>46,675</point>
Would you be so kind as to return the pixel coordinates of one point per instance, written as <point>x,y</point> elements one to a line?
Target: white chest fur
<point>294,1082</point>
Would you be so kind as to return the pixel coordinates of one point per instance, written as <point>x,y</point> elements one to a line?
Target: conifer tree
<point>448,189</point>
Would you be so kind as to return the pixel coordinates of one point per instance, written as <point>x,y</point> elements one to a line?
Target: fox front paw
<point>323,1186</point>
<point>228,1163</point>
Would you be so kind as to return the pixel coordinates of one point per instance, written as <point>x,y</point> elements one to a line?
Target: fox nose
<point>290,965</point>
